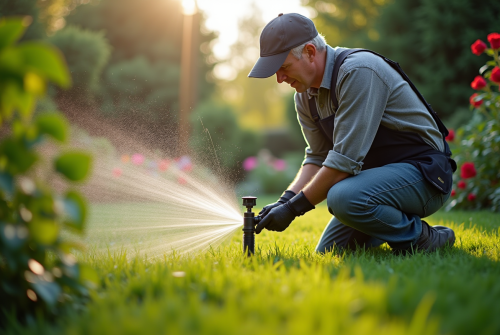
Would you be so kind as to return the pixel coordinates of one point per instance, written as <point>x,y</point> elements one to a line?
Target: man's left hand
<point>279,218</point>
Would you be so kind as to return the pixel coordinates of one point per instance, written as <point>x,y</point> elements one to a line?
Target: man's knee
<point>342,200</point>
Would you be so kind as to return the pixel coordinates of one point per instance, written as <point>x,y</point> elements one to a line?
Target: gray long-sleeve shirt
<point>370,93</point>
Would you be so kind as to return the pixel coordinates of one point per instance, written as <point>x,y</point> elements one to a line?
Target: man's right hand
<point>284,198</point>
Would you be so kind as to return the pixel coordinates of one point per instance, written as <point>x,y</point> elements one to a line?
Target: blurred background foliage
<point>429,38</point>
<point>124,57</point>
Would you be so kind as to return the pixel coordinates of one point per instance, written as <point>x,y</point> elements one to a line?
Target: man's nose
<point>280,76</point>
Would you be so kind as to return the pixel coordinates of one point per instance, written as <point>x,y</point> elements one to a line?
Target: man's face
<point>296,72</point>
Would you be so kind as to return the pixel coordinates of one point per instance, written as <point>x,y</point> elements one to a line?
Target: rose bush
<point>476,146</point>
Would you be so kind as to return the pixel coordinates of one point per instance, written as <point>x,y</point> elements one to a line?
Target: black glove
<point>280,217</point>
<point>284,198</point>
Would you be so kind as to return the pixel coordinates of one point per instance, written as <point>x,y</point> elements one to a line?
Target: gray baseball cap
<point>279,36</point>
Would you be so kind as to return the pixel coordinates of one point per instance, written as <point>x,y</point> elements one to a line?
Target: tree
<point>86,53</point>
<point>347,23</point>
<point>427,38</point>
<point>141,81</point>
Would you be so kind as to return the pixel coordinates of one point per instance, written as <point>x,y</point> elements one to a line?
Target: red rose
<point>475,102</point>
<point>478,83</point>
<point>494,39</point>
<point>453,193</point>
<point>471,197</point>
<point>461,184</point>
<point>495,75</point>
<point>468,170</point>
<point>478,47</point>
<point>451,135</point>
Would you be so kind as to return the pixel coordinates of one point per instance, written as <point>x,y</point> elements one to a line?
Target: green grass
<point>288,289</point>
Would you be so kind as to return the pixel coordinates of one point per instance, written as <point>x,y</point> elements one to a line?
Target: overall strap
<point>343,55</point>
<point>313,110</point>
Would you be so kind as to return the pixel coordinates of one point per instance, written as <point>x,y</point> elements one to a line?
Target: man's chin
<point>300,89</point>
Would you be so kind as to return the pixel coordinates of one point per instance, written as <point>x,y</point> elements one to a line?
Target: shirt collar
<point>327,74</point>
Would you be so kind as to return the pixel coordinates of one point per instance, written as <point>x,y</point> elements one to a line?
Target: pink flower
<point>187,167</point>
<point>184,163</point>
<point>250,163</point>
<point>279,165</point>
<point>451,135</point>
<point>468,170</point>
<point>137,159</point>
<point>471,197</point>
<point>182,180</point>
<point>117,172</point>
<point>164,164</point>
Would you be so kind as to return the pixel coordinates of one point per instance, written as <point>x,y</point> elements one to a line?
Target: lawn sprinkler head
<point>249,223</point>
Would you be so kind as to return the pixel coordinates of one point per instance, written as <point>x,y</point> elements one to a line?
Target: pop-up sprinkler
<point>249,223</point>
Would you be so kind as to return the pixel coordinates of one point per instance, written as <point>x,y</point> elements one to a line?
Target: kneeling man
<point>375,148</point>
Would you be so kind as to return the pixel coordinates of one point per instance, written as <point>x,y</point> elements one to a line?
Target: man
<point>375,150</point>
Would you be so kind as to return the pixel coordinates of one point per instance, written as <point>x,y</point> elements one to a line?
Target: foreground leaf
<point>74,165</point>
<point>54,125</point>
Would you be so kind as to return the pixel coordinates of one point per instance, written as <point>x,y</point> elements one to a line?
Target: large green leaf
<point>75,208</point>
<point>19,158</point>
<point>53,124</point>
<point>44,231</point>
<point>47,61</point>
<point>74,165</point>
<point>14,97</point>
<point>11,30</point>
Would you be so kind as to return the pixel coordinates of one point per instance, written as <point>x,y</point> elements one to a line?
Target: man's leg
<point>386,203</point>
<point>344,237</point>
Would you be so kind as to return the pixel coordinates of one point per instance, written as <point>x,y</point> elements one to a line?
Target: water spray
<point>249,223</point>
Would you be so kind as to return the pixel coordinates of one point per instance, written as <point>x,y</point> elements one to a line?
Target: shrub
<point>477,145</point>
<point>39,276</point>
<point>218,139</point>
<point>86,52</point>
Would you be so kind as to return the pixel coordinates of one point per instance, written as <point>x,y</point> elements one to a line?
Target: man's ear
<point>310,51</point>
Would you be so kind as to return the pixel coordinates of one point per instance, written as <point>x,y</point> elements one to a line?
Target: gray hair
<point>319,42</point>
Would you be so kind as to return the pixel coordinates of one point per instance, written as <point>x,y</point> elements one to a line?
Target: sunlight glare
<point>189,7</point>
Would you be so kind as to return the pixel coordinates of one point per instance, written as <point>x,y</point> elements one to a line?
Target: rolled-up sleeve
<point>362,97</point>
<point>317,145</point>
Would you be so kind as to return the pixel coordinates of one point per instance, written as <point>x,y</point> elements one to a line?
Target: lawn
<point>288,289</point>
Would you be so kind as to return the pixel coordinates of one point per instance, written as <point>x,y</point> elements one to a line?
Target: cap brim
<point>267,66</point>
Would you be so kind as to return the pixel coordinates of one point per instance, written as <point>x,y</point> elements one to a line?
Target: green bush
<point>86,52</point>
<point>477,146</point>
<point>217,139</point>
<point>39,276</point>
<point>140,85</point>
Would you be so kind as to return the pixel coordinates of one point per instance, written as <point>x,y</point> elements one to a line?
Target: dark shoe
<point>431,239</point>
